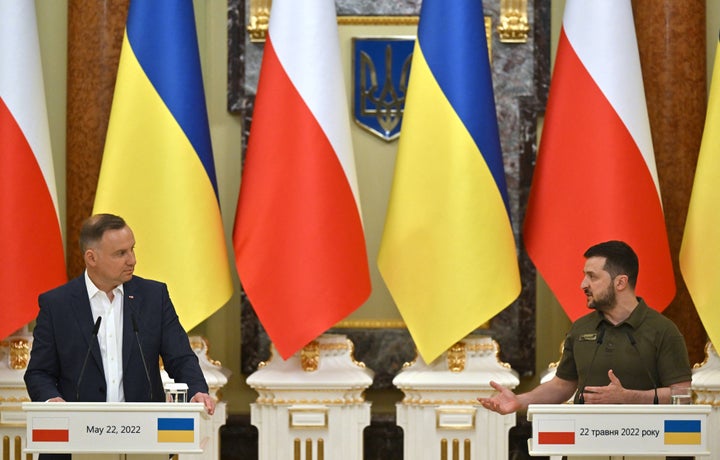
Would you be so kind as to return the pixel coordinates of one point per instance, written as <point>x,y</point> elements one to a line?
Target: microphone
<point>93,338</point>
<point>142,355</point>
<point>633,342</point>
<point>599,341</point>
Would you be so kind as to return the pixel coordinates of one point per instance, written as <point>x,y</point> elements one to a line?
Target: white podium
<point>115,428</point>
<point>622,429</point>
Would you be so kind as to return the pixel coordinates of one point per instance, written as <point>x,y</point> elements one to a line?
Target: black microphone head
<point>134,323</point>
<point>601,334</point>
<point>96,328</point>
<point>631,338</point>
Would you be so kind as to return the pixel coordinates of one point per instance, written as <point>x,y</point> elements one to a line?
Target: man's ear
<point>621,282</point>
<point>90,257</point>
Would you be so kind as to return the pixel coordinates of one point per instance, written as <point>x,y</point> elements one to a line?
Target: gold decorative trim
<point>19,353</point>
<point>408,401</point>
<point>456,357</point>
<point>468,413</point>
<point>270,401</point>
<point>708,350</point>
<point>378,20</point>
<point>371,324</point>
<point>259,20</point>
<point>334,346</point>
<point>351,346</point>
<point>496,347</point>
<point>310,356</point>
<point>199,343</point>
<point>481,347</point>
<point>488,36</point>
<point>14,400</point>
<point>513,27</point>
<point>322,412</point>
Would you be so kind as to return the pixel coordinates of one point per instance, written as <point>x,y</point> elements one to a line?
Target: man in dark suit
<point>133,310</point>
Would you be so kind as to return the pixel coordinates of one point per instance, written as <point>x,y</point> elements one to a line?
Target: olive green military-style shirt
<point>659,357</point>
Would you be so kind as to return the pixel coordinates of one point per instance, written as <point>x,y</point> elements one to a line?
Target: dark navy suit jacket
<point>63,333</point>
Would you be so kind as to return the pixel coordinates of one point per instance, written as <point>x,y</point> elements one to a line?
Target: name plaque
<point>618,429</point>
<point>113,427</point>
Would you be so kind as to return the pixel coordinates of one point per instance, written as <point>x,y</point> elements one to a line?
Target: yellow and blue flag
<point>683,432</point>
<point>157,170</point>
<point>176,430</point>
<point>700,248</point>
<point>448,252</point>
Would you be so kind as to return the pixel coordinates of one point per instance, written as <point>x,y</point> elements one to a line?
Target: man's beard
<point>603,299</point>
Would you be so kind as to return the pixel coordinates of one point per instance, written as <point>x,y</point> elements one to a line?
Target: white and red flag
<point>298,237</point>
<point>595,178</point>
<point>30,236</point>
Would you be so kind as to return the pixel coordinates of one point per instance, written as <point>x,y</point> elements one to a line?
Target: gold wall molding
<point>259,20</point>
<point>378,20</point>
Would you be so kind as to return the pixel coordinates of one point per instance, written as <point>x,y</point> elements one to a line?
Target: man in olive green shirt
<point>621,353</point>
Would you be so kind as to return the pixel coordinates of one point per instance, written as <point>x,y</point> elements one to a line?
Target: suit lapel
<point>131,309</point>
<point>83,316</point>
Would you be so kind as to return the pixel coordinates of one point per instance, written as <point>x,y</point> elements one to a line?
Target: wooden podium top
<point>113,427</point>
<point>618,429</point>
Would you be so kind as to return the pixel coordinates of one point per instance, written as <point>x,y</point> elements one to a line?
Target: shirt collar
<point>634,320</point>
<point>638,314</point>
<point>93,290</point>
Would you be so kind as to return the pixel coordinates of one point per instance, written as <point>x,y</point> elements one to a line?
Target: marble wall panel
<point>521,75</point>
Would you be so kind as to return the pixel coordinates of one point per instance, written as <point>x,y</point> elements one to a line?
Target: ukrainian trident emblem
<point>381,67</point>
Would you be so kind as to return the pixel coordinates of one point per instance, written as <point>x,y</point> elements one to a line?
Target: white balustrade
<point>440,414</point>
<point>311,405</point>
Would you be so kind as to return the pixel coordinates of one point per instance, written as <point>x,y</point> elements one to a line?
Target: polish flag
<point>595,178</point>
<point>556,432</point>
<point>50,429</point>
<point>30,236</point>
<point>298,237</point>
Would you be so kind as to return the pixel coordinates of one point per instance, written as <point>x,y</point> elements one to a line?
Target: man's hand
<point>613,393</point>
<point>55,399</point>
<point>504,402</point>
<point>207,400</point>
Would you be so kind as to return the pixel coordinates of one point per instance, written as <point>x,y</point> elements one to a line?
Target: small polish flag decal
<point>556,432</point>
<point>50,429</point>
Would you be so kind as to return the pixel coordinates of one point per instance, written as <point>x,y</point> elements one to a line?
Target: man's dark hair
<point>620,259</point>
<point>94,227</point>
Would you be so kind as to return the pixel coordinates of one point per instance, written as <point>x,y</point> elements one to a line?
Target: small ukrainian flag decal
<point>682,432</point>
<point>176,429</point>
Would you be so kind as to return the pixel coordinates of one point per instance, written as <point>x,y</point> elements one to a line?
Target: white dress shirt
<point>110,336</point>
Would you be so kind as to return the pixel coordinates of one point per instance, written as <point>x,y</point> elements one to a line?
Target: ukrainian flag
<point>448,252</point>
<point>157,170</point>
<point>682,432</point>
<point>176,430</point>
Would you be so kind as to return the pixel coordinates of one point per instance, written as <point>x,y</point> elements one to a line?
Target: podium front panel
<point>626,429</point>
<point>113,427</point>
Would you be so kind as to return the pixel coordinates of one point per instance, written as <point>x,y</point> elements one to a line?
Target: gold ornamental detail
<point>259,20</point>
<point>310,356</point>
<point>19,353</point>
<point>346,401</point>
<point>456,357</point>
<point>378,20</point>
<point>513,27</point>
